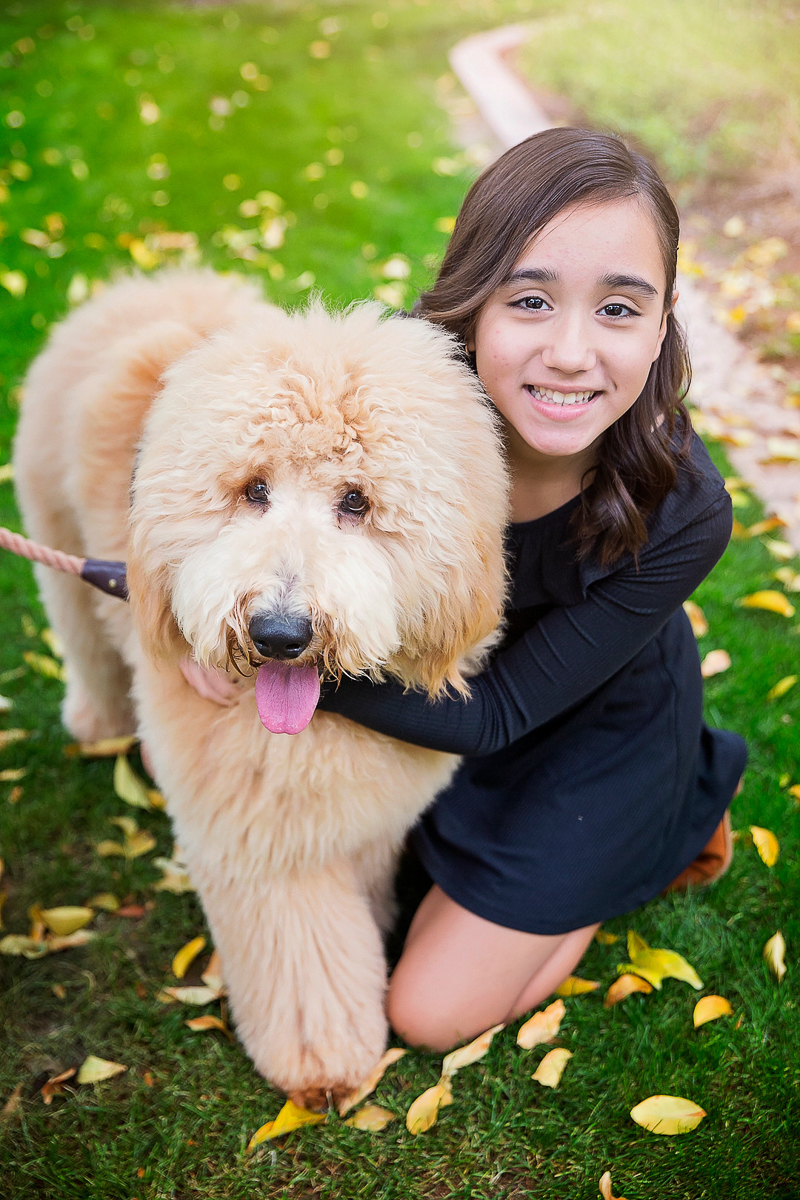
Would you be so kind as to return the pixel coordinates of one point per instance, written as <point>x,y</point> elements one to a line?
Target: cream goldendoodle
<point>296,496</point>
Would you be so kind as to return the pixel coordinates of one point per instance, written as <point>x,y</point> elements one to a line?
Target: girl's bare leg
<point>460,974</point>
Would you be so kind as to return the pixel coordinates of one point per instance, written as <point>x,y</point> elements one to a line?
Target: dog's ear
<point>457,615</point>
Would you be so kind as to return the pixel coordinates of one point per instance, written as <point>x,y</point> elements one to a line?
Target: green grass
<point>504,1136</point>
<point>710,89</point>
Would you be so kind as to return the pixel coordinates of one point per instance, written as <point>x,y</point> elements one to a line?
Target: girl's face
<point>564,346</point>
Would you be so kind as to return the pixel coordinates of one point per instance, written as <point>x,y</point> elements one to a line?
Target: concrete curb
<point>736,394</point>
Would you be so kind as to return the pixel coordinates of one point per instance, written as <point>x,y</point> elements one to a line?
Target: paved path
<point>736,395</point>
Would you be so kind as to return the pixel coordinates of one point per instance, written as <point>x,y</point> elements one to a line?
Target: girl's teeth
<point>551,397</point>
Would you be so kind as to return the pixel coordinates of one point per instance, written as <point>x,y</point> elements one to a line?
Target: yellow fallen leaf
<point>137,841</point>
<point>372,1080</point>
<point>782,687</point>
<point>186,956</point>
<point>550,1069</point>
<point>105,900</point>
<point>668,1114</point>
<point>766,526</point>
<point>371,1117</point>
<point>604,938</point>
<point>789,578</point>
<point>779,549</point>
<point>44,665</point>
<point>81,937</point>
<point>289,1118</point>
<point>201,1024</point>
<point>573,985</point>
<point>636,943</point>
<point>53,642</point>
<point>105,748</point>
<point>94,1070</point>
<point>6,472</point>
<point>794,791</point>
<point>175,878</point>
<point>774,954</point>
<point>542,1026</point>
<point>142,255</point>
<point>108,849</point>
<point>424,1111</point>
<point>714,663</point>
<point>9,736</point>
<point>624,986</point>
<point>697,618</point>
<point>67,919</point>
<point>464,1056</point>
<point>766,844</point>
<point>192,995</point>
<point>19,944</point>
<point>709,1009</point>
<point>655,965</point>
<point>212,976</point>
<point>128,786</point>
<point>605,1188</point>
<point>156,799</point>
<point>783,450</point>
<point>13,774</point>
<point>14,282</point>
<point>770,601</point>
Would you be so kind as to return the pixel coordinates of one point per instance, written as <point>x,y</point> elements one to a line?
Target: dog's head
<point>322,494</point>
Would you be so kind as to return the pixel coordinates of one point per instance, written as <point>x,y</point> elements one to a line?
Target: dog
<point>297,496</point>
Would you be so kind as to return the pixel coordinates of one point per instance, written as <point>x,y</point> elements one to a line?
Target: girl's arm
<point>562,659</point>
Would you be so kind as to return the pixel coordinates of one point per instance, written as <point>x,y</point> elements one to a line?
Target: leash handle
<point>109,577</point>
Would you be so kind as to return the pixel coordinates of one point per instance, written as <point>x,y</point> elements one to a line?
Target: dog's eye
<point>257,492</point>
<point>354,504</point>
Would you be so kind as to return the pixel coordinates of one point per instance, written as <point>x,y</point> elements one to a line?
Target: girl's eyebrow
<point>633,283</point>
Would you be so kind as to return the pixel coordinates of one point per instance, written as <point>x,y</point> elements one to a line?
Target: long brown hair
<point>509,204</point>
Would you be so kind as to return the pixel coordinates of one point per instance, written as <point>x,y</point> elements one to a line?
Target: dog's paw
<point>321,1098</point>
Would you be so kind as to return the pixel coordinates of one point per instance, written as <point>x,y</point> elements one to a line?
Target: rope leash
<point>108,576</point>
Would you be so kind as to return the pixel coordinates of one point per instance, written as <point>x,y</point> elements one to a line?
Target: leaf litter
<point>656,965</point>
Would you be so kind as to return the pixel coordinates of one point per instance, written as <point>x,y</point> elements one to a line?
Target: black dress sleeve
<point>559,661</point>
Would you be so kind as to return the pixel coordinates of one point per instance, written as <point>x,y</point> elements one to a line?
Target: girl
<point>590,781</point>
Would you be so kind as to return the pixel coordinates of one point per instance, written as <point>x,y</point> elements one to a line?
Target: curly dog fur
<point>145,421</point>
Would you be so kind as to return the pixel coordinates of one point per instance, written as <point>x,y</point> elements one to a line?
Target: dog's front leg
<point>304,965</point>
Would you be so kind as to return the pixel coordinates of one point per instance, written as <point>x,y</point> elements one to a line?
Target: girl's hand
<point>210,682</point>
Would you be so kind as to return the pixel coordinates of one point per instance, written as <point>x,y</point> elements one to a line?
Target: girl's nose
<point>569,349</point>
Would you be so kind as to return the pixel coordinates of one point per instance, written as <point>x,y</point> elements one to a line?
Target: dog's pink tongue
<point>286,696</point>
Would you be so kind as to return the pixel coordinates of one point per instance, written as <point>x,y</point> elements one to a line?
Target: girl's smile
<point>564,346</point>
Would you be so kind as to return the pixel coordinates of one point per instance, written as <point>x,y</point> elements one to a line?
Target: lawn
<point>303,144</point>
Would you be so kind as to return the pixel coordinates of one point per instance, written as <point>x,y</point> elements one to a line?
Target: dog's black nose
<point>279,636</point>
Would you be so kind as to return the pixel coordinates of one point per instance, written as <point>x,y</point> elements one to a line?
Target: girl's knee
<point>430,1022</point>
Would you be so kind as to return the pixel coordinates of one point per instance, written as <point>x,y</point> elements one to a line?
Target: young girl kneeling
<point>590,781</point>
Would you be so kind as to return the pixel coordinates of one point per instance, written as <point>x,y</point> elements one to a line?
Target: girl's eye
<point>617,310</point>
<point>354,504</point>
<point>532,303</point>
<point>257,492</point>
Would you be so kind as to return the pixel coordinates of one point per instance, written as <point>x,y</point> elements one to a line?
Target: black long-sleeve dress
<point>590,780</point>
